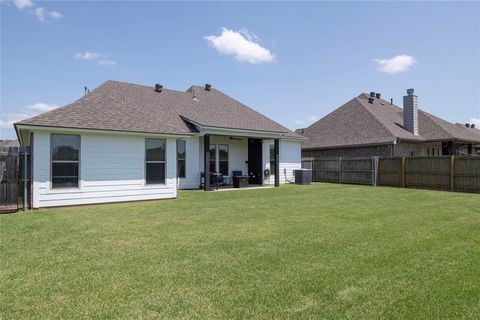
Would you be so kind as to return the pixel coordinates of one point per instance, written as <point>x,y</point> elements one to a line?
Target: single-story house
<point>128,142</point>
<point>369,126</point>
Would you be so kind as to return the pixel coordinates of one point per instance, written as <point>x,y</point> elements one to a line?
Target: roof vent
<point>158,87</point>
<point>391,101</point>
<point>467,125</point>
<point>372,94</point>
<point>370,100</point>
<point>472,126</point>
<point>208,86</point>
<point>378,95</point>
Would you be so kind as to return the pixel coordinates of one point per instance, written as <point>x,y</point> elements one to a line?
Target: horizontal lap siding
<point>112,169</point>
<point>290,159</point>
<point>237,155</point>
<point>192,173</point>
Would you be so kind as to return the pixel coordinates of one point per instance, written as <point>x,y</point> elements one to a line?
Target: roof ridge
<point>376,118</point>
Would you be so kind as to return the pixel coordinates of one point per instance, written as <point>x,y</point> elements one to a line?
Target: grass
<point>319,251</point>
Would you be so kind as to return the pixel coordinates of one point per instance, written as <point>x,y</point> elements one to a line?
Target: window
<point>181,157</point>
<point>155,161</point>
<point>213,151</point>
<point>272,160</point>
<point>65,160</point>
<point>223,159</point>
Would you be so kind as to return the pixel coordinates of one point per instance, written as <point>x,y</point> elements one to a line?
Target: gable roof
<point>359,122</point>
<point>121,106</point>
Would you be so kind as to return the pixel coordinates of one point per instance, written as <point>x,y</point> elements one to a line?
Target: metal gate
<point>15,188</point>
<point>8,182</point>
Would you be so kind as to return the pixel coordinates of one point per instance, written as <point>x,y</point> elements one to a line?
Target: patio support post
<point>206,164</point>
<point>276,148</point>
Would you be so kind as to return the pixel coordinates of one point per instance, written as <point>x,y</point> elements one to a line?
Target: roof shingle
<point>124,106</point>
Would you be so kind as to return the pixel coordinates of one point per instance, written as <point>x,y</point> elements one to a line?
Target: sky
<point>294,62</point>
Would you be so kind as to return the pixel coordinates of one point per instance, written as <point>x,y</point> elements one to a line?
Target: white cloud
<point>42,107</point>
<point>88,55</point>
<point>397,64</point>
<point>40,12</point>
<point>107,63</point>
<point>306,120</point>
<point>22,4</point>
<point>102,59</point>
<point>475,121</point>
<point>55,14</point>
<point>243,45</point>
<point>8,119</point>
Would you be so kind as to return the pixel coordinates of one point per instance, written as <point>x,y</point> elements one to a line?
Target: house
<point>127,142</point>
<point>370,126</point>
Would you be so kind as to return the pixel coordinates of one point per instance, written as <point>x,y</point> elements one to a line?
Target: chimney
<point>158,87</point>
<point>410,112</point>
<point>208,86</point>
<point>370,100</point>
<point>378,95</point>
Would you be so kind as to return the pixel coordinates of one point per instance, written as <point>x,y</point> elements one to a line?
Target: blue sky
<point>294,62</point>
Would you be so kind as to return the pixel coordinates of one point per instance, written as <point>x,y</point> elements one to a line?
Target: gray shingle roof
<point>124,106</point>
<point>358,122</point>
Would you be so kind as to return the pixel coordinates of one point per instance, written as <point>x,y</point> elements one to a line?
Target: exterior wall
<point>431,149</point>
<point>193,165</point>
<point>112,169</point>
<point>350,152</point>
<point>290,159</point>
<point>237,153</point>
<point>407,149</point>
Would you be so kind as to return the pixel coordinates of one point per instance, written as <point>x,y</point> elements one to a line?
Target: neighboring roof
<point>122,106</point>
<point>9,143</point>
<point>359,122</point>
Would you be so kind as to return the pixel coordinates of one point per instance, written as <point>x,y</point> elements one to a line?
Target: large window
<point>213,151</point>
<point>272,160</point>
<point>181,158</point>
<point>65,160</point>
<point>155,161</point>
<point>223,159</point>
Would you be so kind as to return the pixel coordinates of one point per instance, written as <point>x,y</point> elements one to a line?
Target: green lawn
<point>321,251</point>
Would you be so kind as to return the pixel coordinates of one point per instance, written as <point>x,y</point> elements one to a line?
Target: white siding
<point>112,169</point>
<point>192,174</point>
<point>237,153</point>
<point>290,159</point>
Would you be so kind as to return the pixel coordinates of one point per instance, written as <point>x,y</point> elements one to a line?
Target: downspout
<point>393,147</point>
<point>25,176</point>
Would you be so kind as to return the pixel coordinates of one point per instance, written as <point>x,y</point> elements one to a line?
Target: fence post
<point>340,169</point>
<point>452,173</point>
<point>375,170</point>
<point>402,178</point>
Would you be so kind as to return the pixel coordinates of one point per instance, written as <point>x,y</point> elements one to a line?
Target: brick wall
<point>350,152</point>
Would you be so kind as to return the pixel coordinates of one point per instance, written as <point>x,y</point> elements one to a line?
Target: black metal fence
<point>15,178</point>
<point>448,173</point>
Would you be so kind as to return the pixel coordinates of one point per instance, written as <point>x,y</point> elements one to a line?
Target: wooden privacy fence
<point>342,170</point>
<point>448,173</point>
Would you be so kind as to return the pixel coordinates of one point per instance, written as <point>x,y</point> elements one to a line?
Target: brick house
<point>370,126</point>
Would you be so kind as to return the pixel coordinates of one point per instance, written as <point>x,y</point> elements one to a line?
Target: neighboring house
<point>126,142</point>
<point>370,126</point>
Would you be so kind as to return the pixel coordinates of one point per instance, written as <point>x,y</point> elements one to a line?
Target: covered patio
<point>239,161</point>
